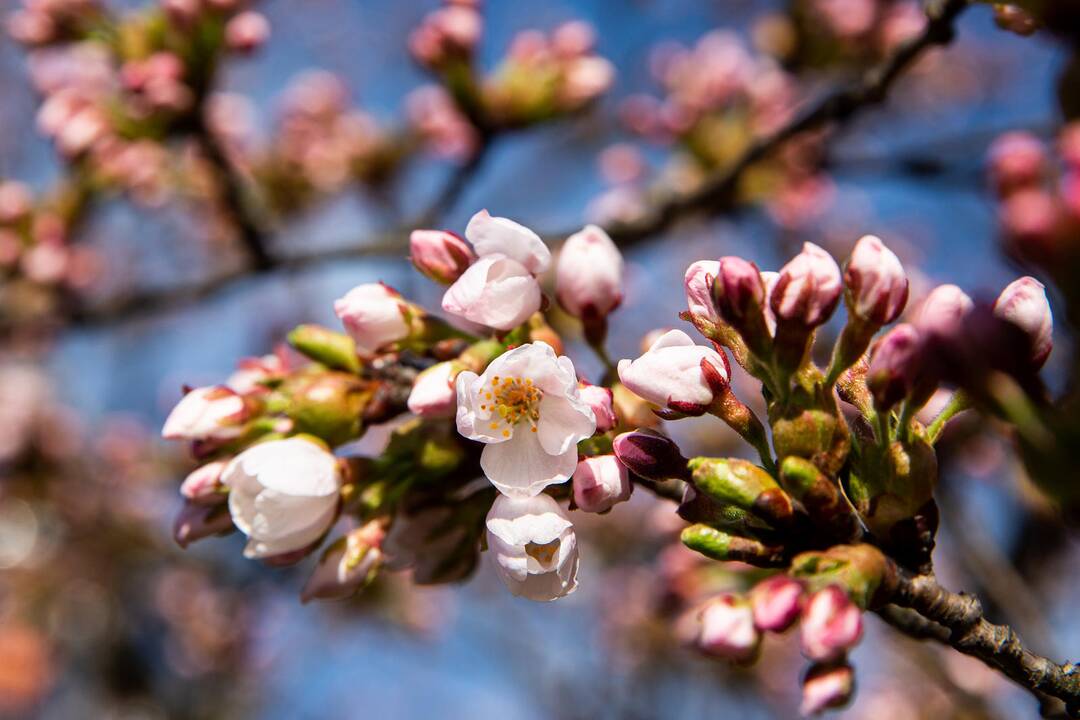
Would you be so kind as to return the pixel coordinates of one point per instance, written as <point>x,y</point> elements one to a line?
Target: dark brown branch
<point>957,620</point>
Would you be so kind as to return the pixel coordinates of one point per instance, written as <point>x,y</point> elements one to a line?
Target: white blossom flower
<point>527,408</point>
<point>534,547</point>
<point>283,494</point>
<point>500,289</point>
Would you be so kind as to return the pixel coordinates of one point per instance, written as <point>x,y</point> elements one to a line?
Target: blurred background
<point>102,615</point>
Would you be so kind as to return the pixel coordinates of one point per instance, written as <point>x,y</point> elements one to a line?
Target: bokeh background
<point>102,616</point>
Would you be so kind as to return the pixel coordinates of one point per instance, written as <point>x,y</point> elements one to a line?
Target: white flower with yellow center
<point>534,547</point>
<point>527,408</point>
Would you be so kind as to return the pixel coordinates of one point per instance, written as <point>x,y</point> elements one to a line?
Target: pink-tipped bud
<point>589,274</point>
<point>738,290</point>
<point>347,565</point>
<point>601,400</point>
<point>196,521</point>
<point>875,282</point>
<point>831,625</point>
<point>826,687</point>
<point>374,315</point>
<point>677,374</point>
<point>777,603</point>
<point>600,483</point>
<point>1024,304</point>
<point>247,31</point>
<point>943,310</point>
<point>1017,160</point>
<point>808,288</point>
<point>439,254</point>
<point>433,393</point>
<point>650,455</point>
<point>203,484</point>
<point>727,629</point>
<point>207,413</point>
<point>894,366</point>
<point>698,283</point>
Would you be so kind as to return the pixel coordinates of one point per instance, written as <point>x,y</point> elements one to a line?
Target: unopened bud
<point>247,31</point>
<point>203,485</point>
<point>698,283</point>
<point>589,274</point>
<point>876,287</point>
<point>722,546</point>
<point>600,400</point>
<point>727,629</point>
<point>439,254</point>
<point>808,288</point>
<point>207,413</point>
<point>1017,160</point>
<point>333,349</point>
<point>650,455</point>
<point>943,310</point>
<point>821,497</point>
<point>670,374</point>
<point>1024,304</point>
<point>777,603</point>
<point>328,405</point>
<point>831,625</point>
<point>600,483</point>
<point>374,315</point>
<point>433,393</point>
<point>196,521</point>
<point>827,686</point>
<point>347,565</point>
<point>743,484</point>
<point>865,574</point>
<point>895,366</point>
<point>740,297</point>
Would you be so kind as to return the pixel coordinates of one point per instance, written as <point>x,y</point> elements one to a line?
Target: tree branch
<point>956,619</point>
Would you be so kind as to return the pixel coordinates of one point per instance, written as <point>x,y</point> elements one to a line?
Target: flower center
<point>512,400</point>
<point>543,554</point>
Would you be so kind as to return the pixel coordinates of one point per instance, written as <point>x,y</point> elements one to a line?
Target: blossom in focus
<point>534,546</point>
<point>601,400</point>
<point>283,494</point>
<point>875,282</point>
<point>528,410</point>
<point>433,393</point>
<point>600,483</point>
<point>439,254</point>
<point>214,412</point>
<point>698,282</point>
<point>374,315</point>
<point>831,625</point>
<point>727,629</point>
<point>589,274</point>
<point>1023,303</point>
<point>808,288</point>
<point>500,289</point>
<point>671,373</point>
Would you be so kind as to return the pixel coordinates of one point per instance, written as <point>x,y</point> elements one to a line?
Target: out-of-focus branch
<point>924,609</point>
<point>715,195</point>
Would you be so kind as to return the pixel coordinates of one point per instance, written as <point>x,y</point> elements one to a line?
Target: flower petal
<point>563,424</point>
<point>519,467</point>
<point>497,235</point>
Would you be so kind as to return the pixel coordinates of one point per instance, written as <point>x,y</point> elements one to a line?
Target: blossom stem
<point>959,402</point>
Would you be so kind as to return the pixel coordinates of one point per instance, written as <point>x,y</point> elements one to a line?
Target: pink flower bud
<point>374,315</point>
<point>877,287</point>
<point>589,274</point>
<point>894,366</point>
<point>727,629</point>
<point>1017,160</point>
<point>573,39</point>
<point>247,31</point>
<point>15,202</point>
<point>672,373</point>
<point>1024,304</point>
<point>433,393</point>
<point>207,413</point>
<point>203,484</point>
<point>600,399</point>
<point>808,288</point>
<point>195,522</point>
<point>826,687</point>
<point>1030,219</point>
<point>650,455</point>
<point>738,290</point>
<point>600,483</point>
<point>347,565</point>
<point>585,79</point>
<point>698,282</point>
<point>776,603</point>
<point>831,625</point>
<point>440,255</point>
<point>943,310</point>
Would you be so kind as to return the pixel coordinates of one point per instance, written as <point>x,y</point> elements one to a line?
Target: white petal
<point>563,424</point>
<point>471,420</point>
<point>519,467</point>
<point>672,338</point>
<point>497,235</point>
<point>495,291</point>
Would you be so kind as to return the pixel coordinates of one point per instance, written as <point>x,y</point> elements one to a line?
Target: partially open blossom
<point>808,288</point>
<point>374,315</point>
<point>942,310</point>
<point>213,412</point>
<point>650,455</point>
<point>203,484</point>
<point>698,283</point>
<point>251,373</point>
<point>727,629</point>
<point>777,603</point>
<point>600,483</point>
<point>601,400</point>
<point>247,31</point>
<point>826,687</point>
<point>347,565</point>
<point>589,274</point>
<point>894,366</point>
<point>283,494</point>
<point>534,546</point>
<point>439,254</point>
<point>1024,304</point>
<point>831,625</point>
<point>500,289</point>
<point>528,410</point>
<point>670,374</point>
<point>875,282</point>
<point>433,393</point>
